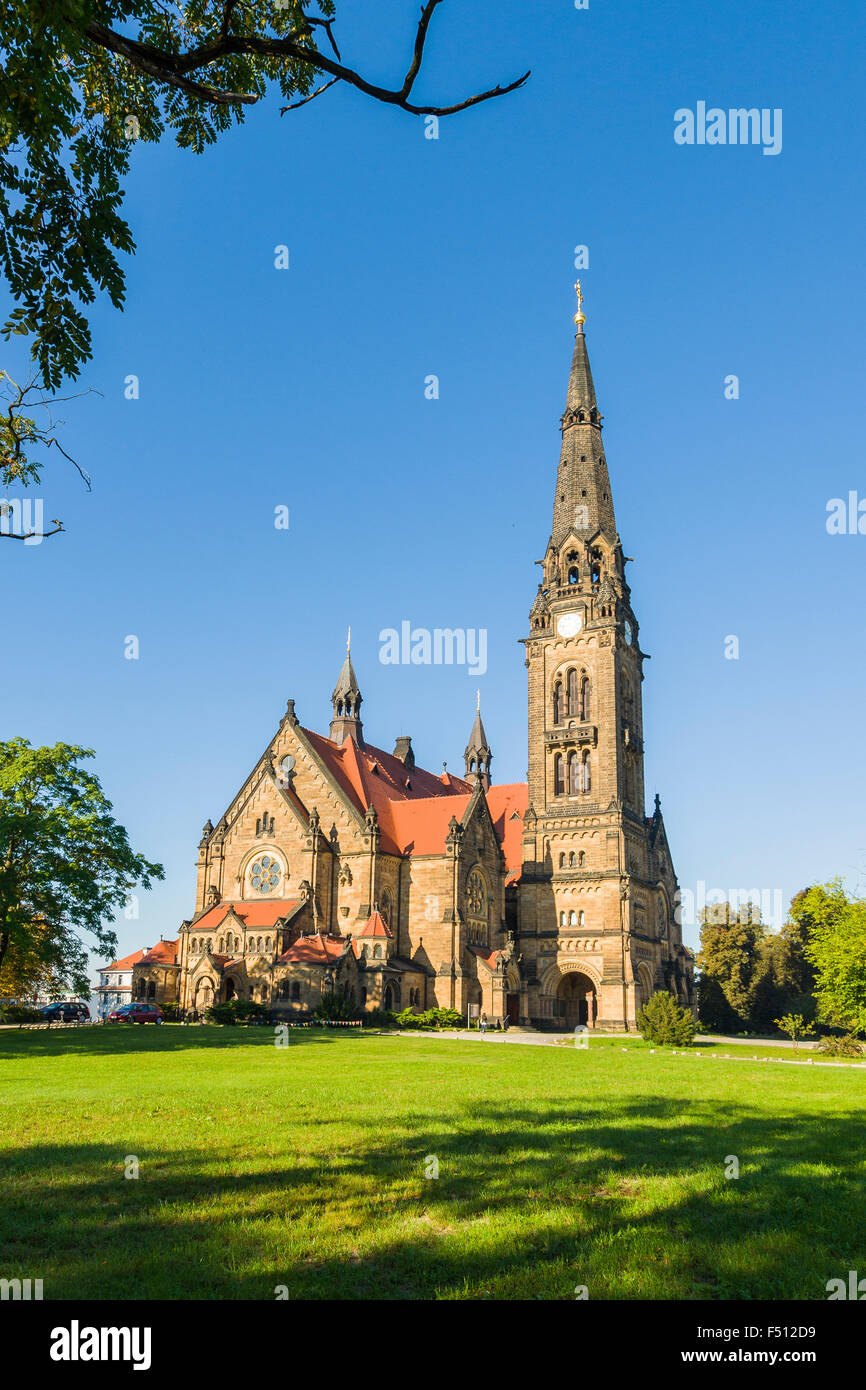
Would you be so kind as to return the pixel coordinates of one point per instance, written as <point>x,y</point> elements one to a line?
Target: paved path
<point>544,1039</point>
<point>560,1039</point>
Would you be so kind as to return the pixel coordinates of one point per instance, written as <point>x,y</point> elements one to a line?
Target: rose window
<point>265,874</point>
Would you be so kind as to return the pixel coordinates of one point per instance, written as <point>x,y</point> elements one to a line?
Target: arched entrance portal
<point>576,1000</point>
<point>203,995</point>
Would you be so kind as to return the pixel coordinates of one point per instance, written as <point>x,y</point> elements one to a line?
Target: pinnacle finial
<point>478,700</point>
<point>580,316</point>
<point>348,640</point>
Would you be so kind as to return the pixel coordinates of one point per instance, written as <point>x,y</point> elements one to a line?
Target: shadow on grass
<point>626,1196</point>
<point>115,1039</point>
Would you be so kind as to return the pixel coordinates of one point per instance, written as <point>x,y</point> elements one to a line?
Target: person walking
<point>483,1023</point>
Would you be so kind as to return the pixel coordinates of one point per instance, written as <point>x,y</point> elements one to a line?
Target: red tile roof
<point>163,953</point>
<point>126,963</point>
<point>314,950</point>
<point>508,805</point>
<point>259,912</point>
<point>488,957</point>
<point>415,806</point>
<point>376,925</point>
<point>391,784</point>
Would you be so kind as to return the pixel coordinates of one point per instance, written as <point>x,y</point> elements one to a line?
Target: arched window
<point>264,994</point>
<point>572,919</point>
<point>377,952</point>
<point>573,709</point>
<point>385,905</point>
<point>581,917</point>
<point>557,703</point>
<point>363,995</point>
<point>573,773</point>
<point>296,991</point>
<point>573,574</point>
<point>571,860</point>
<point>562,919</point>
<point>585,699</point>
<point>558,775</point>
<point>581,860</point>
<point>587,772</point>
<point>476,906</point>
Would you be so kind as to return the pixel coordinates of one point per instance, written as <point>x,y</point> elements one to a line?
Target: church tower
<point>598,893</point>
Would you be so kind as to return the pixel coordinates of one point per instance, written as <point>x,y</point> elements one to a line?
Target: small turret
<point>477,753</point>
<point>346,700</point>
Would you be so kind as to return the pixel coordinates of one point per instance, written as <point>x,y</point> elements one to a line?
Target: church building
<point>340,866</point>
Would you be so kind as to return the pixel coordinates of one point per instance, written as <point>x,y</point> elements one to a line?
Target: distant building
<point>115,985</point>
<point>146,974</point>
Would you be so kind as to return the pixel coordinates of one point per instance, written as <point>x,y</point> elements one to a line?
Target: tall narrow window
<point>557,703</point>
<point>587,773</point>
<point>584,699</point>
<point>573,774</point>
<point>558,775</point>
<point>572,693</point>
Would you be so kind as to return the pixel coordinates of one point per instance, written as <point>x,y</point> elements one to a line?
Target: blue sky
<point>454,257</point>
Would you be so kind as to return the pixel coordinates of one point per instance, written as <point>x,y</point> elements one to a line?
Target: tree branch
<point>171,68</point>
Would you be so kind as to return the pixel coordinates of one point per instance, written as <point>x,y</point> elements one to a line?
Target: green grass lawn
<point>305,1166</point>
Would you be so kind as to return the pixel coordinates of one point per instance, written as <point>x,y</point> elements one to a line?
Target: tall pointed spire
<point>346,701</point>
<point>583,501</point>
<point>477,754</point>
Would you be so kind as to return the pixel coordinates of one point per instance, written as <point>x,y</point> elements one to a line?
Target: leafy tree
<point>65,863</point>
<point>82,81</point>
<point>796,1026</point>
<point>664,1022</point>
<point>836,947</point>
<point>730,964</point>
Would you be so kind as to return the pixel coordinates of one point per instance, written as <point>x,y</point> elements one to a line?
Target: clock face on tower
<point>569,624</point>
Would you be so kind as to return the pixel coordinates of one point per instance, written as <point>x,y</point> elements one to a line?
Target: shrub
<point>407,1018</point>
<point>444,1018</point>
<point>170,1011</point>
<point>338,1008</point>
<point>20,1013</point>
<point>380,1018</point>
<point>664,1023</point>
<point>236,1011</point>
<point>840,1047</point>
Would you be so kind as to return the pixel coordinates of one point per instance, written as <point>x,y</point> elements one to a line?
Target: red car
<point>136,1013</point>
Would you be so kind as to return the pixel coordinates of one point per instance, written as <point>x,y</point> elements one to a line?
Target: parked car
<point>136,1013</point>
<point>66,1012</point>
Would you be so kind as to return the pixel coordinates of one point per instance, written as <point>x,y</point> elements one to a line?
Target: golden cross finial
<point>580,316</point>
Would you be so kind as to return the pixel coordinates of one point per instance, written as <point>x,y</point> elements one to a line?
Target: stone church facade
<point>341,866</point>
